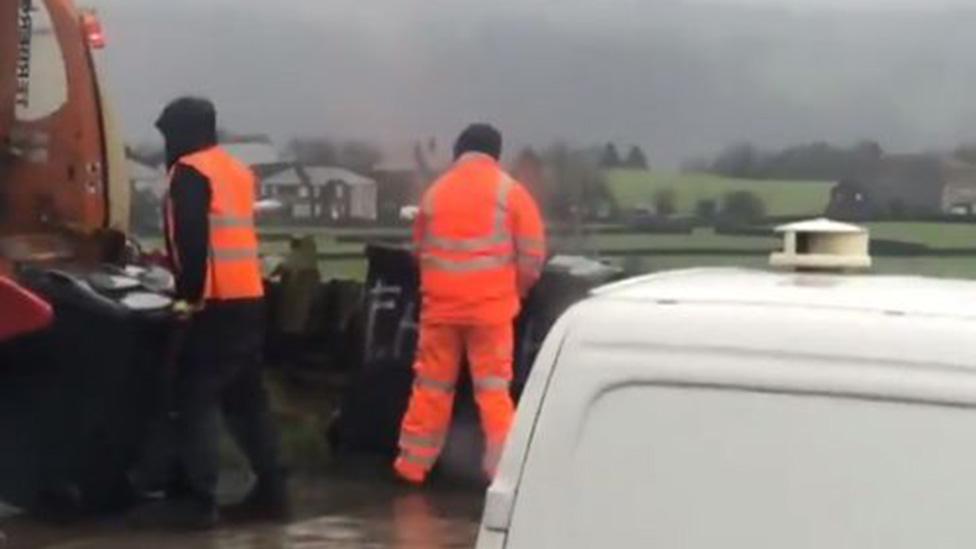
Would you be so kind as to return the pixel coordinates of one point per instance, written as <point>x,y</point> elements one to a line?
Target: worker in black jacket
<point>212,245</point>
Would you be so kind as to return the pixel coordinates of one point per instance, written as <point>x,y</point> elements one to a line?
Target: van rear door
<point>641,448</point>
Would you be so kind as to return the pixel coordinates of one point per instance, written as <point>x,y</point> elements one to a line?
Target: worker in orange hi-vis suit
<point>481,245</point>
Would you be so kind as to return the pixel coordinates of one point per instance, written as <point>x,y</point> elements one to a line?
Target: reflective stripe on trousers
<point>491,384</point>
<point>428,383</point>
<point>424,461</point>
<point>439,352</point>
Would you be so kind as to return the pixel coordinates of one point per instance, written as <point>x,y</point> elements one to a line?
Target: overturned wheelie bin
<point>76,398</point>
<point>369,417</point>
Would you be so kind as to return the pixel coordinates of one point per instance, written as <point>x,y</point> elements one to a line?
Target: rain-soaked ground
<point>354,504</point>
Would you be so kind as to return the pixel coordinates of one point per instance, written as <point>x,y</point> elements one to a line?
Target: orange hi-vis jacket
<point>233,266</point>
<point>481,244</point>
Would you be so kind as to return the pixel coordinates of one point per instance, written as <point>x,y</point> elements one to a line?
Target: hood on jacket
<point>189,125</point>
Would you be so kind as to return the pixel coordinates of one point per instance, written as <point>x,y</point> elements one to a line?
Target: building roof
<point>960,174</point>
<point>254,153</point>
<point>317,176</point>
<point>321,175</point>
<point>284,178</point>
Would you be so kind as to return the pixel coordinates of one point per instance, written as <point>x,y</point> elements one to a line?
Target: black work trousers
<point>219,370</point>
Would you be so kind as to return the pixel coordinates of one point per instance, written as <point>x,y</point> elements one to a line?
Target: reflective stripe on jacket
<point>233,267</point>
<point>481,243</point>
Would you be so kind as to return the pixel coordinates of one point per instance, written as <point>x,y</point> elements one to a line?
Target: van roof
<point>914,296</point>
<point>909,321</point>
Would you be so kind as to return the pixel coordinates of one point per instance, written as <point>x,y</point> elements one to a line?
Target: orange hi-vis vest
<point>233,266</point>
<point>481,243</point>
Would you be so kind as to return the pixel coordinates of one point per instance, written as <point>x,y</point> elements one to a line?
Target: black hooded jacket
<point>189,125</point>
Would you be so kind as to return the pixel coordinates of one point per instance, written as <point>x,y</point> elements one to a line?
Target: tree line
<point>635,159</point>
<point>818,161</point>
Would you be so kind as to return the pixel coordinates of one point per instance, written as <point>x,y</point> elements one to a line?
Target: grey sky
<point>680,78</point>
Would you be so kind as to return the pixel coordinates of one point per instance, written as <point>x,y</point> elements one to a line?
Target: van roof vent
<point>823,245</point>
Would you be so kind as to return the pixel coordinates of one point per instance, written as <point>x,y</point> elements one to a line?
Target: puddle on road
<point>346,509</point>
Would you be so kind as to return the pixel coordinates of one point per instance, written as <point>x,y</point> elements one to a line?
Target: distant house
<point>345,195</point>
<point>959,195</point>
<point>322,195</point>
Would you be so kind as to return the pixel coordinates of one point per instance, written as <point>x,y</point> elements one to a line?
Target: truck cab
<point>748,409</point>
<point>62,165</point>
<point>78,394</point>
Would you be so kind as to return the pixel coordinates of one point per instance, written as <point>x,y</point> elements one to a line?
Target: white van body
<point>748,410</point>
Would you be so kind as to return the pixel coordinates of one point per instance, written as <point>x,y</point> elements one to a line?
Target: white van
<point>736,409</point>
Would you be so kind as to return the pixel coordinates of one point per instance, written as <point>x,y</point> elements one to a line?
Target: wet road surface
<point>353,505</point>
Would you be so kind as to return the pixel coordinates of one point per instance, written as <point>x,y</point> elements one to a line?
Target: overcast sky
<point>682,78</point>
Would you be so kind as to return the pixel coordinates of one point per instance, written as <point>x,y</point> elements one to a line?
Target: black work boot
<point>267,501</point>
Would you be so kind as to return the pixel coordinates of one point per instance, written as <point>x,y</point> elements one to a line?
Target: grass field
<point>936,236</point>
<point>743,251</point>
<point>701,239</point>
<point>782,198</point>
<point>933,235</point>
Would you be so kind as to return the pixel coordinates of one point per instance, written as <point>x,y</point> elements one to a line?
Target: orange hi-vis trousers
<point>425,425</point>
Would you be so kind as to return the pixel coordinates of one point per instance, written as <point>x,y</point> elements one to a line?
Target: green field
<point>933,235</point>
<point>782,198</point>
<point>938,237</point>
<point>742,251</point>
<point>700,239</point>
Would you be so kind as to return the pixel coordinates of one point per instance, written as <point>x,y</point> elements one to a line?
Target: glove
<point>184,310</point>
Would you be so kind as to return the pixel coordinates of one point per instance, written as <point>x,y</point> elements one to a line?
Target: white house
<point>323,194</point>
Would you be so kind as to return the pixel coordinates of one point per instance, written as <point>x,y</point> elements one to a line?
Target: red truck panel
<point>21,312</point>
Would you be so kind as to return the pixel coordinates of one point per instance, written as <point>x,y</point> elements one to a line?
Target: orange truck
<point>76,396</point>
<point>62,172</point>
<point>62,166</point>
